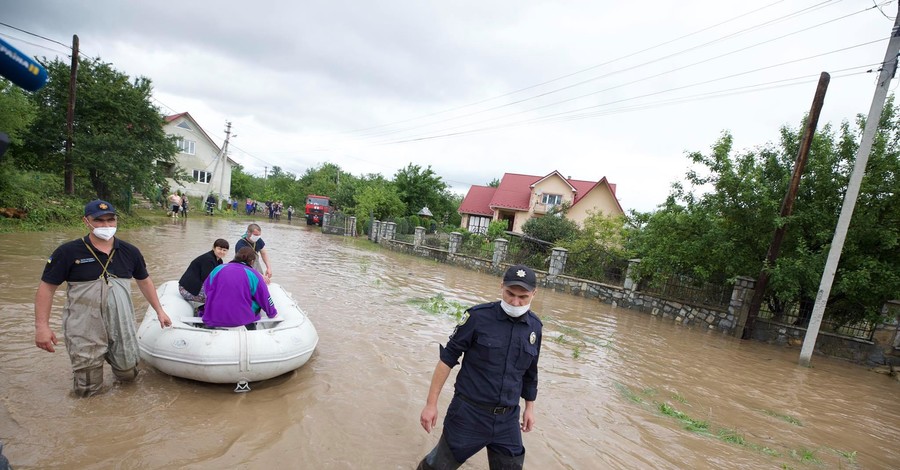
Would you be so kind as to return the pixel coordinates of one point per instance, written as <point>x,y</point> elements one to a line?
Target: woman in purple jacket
<point>236,293</point>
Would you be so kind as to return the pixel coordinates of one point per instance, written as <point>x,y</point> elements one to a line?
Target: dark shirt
<point>259,245</point>
<point>197,271</point>
<point>501,355</point>
<point>73,262</point>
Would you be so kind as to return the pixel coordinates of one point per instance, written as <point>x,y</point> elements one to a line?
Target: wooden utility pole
<point>68,167</point>
<point>888,69</point>
<point>787,205</point>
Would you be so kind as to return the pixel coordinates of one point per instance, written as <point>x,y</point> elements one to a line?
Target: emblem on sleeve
<point>463,319</point>
<point>532,338</point>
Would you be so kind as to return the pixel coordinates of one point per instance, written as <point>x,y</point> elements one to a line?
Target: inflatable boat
<point>226,355</point>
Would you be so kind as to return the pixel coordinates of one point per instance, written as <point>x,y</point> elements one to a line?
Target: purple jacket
<point>235,293</point>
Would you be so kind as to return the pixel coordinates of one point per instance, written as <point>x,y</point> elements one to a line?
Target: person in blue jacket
<point>236,294</point>
<point>500,343</point>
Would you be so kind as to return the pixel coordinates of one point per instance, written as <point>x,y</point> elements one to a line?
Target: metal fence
<point>596,265</point>
<point>529,251</point>
<point>476,245</point>
<point>715,293</point>
<point>798,314</point>
<point>338,222</point>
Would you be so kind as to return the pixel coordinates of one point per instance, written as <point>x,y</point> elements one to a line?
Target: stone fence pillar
<point>558,261</point>
<point>350,228</point>
<point>389,230</point>
<point>419,237</point>
<point>455,242</point>
<point>373,232</point>
<point>630,286</point>
<point>739,305</point>
<point>501,245</point>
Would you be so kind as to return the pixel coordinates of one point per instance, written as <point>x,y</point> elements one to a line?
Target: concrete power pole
<point>224,162</point>
<point>888,69</point>
<point>68,167</point>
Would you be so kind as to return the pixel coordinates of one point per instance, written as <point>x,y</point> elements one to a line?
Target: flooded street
<point>618,388</point>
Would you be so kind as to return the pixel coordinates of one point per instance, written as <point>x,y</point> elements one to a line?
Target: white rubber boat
<point>227,355</point>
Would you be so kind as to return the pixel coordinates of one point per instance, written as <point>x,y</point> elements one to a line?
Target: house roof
<point>175,117</point>
<point>478,201</point>
<point>514,192</point>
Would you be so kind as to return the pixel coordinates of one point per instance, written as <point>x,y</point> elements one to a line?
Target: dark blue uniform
<point>74,261</point>
<point>499,368</point>
<point>259,245</point>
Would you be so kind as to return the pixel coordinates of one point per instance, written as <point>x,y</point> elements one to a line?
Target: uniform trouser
<point>468,429</point>
<point>98,320</point>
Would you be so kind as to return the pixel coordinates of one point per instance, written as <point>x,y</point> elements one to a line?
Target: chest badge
<point>463,319</point>
<point>532,338</point>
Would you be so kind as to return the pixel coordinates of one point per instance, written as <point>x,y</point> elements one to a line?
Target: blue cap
<point>98,207</point>
<point>520,275</point>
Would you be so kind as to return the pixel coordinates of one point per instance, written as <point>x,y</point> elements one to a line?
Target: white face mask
<point>513,311</point>
<point>253,238</point>
<point>104,233</point>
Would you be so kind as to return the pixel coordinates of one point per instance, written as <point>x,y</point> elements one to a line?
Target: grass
<point>783,417</point>
<point>802,455</point>
<point>437,305</point>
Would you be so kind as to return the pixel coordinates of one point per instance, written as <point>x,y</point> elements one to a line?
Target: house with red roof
<point>199,158</point>
<point>518,198</point>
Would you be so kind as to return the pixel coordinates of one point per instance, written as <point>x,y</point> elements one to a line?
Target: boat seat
<point>198,320</point>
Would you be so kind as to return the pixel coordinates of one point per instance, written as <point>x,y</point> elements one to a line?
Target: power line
<point>650,62</point>
<point>637,81</point>
<point>33,44</point>
<point>36,35</point>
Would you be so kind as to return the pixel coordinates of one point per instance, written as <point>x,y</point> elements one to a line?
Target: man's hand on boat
<point>163,318</point>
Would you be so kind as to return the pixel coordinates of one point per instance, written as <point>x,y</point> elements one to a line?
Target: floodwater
<point>618,388</point>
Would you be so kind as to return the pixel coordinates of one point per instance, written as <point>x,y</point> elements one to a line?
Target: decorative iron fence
<point>529,251</point>
<point>476,245</point>
<point>716,293</point>
<point>798,314</point>
<point>596,265</point>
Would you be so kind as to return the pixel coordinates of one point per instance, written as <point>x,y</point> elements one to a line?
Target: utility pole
<point>888,69</point>
<point>224,161</point>
<point>787,205</point>
<point>68,167</point>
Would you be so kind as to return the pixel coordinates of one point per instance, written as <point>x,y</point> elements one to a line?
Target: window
<point>551,199</point>
<point>202,176</point>
<point>186,146</point>
<point>185,125</point>
<point>478,224</point>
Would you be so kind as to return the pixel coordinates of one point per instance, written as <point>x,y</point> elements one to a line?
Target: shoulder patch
<point>463,319</point>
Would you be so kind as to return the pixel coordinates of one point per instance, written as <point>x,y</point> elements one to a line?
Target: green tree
<point>119,143</point>
<point>16,111</point>
<point>421,188</point>
<point>552,227</point>
<point>380,198</point>
<point>727,229</point>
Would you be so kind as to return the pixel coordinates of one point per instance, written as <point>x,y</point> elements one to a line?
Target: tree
<point>420,188</point>
<point>727,229</point>
<point>119,143</point>
<point>16,111</point>
<point>494,183</point>
<point>380,198</point>
<point>552,227</point>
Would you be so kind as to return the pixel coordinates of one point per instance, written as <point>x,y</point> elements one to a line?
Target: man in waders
<point>252,239</point>
<point>98,318</point>
<point>500,343</point>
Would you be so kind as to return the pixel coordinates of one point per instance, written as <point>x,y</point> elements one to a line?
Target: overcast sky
<point>591,88</point>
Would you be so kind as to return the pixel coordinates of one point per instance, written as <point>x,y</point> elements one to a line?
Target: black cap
<point>520,275</point>
<point>98,207</point>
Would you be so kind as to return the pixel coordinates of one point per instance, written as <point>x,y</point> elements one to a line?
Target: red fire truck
<point>316,208</point>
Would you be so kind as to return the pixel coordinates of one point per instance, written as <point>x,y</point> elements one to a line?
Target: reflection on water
<point>619,389</point>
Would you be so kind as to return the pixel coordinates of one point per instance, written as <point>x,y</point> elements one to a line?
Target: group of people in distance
<point>231,294</point>
<point>498,344</point>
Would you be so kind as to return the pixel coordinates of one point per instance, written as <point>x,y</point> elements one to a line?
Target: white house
<point>208,172</point>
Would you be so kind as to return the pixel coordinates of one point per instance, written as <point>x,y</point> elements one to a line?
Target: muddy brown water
<point>618,388</point>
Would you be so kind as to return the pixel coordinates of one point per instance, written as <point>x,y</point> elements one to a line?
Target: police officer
<point>98,318</point>
<point>502,343</point>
